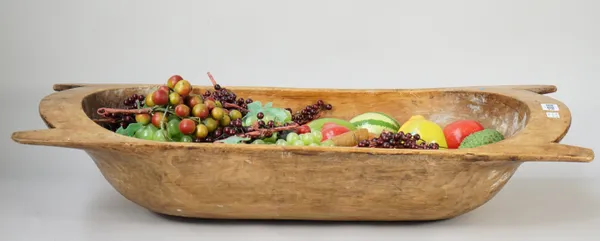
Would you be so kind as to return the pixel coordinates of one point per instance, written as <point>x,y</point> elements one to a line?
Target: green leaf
<point>278,115</point>
<point>234,140</point>
<point>255,107</point>
<point>248,120</point>
<point>121,131</point>
<point>130,130</point>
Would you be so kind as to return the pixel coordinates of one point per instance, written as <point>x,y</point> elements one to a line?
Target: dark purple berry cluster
<point>224,95</point>
<point>132,101</point>
<point>123,120</point>
<point>310,112</point>
<point>398,140</point>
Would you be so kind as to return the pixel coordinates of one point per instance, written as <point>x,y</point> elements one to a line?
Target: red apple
<point>457,131</point>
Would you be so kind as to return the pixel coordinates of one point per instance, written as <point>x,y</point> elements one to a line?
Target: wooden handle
<point>540,89</point>
<point>550,152</point>
<point>65,138</point>
<point>61,87</point>
<point>555,152</point>
<point>48,137</point>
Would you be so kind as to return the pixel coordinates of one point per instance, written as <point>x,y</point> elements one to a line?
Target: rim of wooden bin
<point>538,141</point>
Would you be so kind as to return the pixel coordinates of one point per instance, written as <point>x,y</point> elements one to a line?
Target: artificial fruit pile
<point>418,132</point>
<point>172,113</point>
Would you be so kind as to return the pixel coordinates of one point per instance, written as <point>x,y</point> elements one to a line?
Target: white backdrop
<point>58,194</point>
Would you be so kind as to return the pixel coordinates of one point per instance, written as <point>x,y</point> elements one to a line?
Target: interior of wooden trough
<point>499,112</point>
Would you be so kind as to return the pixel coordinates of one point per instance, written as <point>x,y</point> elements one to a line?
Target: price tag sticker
<point>550,107</point>
<point>553,115</point>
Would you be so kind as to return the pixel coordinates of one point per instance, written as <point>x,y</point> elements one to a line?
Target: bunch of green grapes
<point>293,139</point>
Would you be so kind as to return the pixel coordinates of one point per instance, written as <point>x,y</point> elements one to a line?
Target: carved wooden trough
<point>227,181</point>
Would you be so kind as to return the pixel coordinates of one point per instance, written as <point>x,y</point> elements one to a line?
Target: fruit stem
<point>105,120</point>
<point>260,132</point>
<point>212,79</point>
<point>104,111</point>
<point>231,105</point>
<point>162,121</point>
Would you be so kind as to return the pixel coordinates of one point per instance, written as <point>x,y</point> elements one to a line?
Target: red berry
<point>158,118</point>
<point>193,101</point>
<point>217,113</point>
<point>142,118</point>
<point>210,104</point>
<point>165,88</point>
<point>175,99</point>
<point>160,97</point>
<point>149,99</point>
<point>182,110</point>
<point>183,88</point>
<point>201,131</point>
<point>187,126</point>
<point>200,111</point>
<point>173,80</point>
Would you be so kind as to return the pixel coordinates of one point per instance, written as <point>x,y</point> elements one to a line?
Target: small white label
<point>550,107</point>
<point>553,115</point>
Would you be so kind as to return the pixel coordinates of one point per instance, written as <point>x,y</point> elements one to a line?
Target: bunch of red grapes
<point>124,119</point>
<point>203,118</point>
<point>212,116</point>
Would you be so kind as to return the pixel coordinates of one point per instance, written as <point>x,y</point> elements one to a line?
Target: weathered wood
<point>317,183</point>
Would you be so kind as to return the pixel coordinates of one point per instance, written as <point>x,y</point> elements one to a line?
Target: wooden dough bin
<point>206,180</point>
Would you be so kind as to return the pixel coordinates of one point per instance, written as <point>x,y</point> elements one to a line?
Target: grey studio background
<point>58,194</point>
